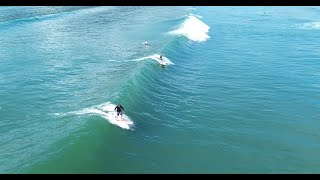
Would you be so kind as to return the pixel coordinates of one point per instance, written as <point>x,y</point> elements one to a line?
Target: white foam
<point>56,114</point>
<point>89,111</point>
<point>191,8</point>
<point>312,25</point>
<point>194,29</point>
<point>106,111</point>
<point>198,16</point>
<point>156,57</point>
<point>107,106</point>
<point>126,123</point>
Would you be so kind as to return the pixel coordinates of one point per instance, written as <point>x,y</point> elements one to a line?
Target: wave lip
<point>194,29</point>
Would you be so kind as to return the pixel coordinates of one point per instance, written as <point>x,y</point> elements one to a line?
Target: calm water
<point>241,94</point>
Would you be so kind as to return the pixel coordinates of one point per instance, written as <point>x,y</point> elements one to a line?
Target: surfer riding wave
<point>119,109</point>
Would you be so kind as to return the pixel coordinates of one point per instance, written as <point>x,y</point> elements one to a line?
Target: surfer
<point>146,43</point>
<point>161,57</point>
<point>119,109</point>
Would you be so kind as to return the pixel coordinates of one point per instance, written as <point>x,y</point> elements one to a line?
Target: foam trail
<point>105,110</point>
<point>118,61</point>
<point>80,112</point>
<point>156,58</point>
<point>194,29</point>
<point>312,25</point>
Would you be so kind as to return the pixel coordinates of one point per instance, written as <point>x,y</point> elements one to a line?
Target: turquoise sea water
<point>241,94</point>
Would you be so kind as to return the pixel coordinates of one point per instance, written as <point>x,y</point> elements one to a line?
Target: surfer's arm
<point>121,107</point>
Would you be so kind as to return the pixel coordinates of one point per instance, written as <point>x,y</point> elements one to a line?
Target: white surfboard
<point>162,62</point>
<point>123,122</point>
<point>110,114</point>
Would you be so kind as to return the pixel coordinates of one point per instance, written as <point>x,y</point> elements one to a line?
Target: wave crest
<point>194,29</point>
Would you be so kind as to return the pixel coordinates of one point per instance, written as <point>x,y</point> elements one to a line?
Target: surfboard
<point>123,122</point>
<point>161,62</point>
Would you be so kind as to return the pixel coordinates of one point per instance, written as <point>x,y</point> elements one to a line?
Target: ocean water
<point>240,93</point>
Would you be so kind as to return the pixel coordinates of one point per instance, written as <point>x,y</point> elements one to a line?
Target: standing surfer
<point>119,109</point>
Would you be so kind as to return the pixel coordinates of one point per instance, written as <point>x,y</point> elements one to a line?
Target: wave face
<point>79,63</point>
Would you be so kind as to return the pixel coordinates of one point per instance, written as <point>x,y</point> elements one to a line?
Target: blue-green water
<point>241,95</point>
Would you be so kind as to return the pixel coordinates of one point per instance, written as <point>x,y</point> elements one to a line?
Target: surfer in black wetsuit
<point>119,109</point>
<point>161,57</point>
